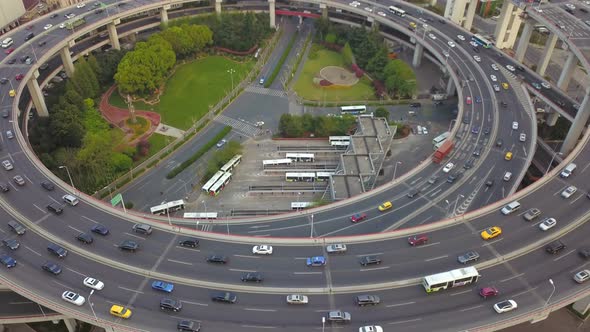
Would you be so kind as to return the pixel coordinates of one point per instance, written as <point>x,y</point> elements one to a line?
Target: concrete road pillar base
<point>218,6</point>
<point>271,12</point>
<point>547,52</point>
<point>324,9</point>
<point>71,324</point>
<point>470,14</point>
<point>451,89</point>
<point>582,306</point>
<point>113,35</point>
<point>66,60</point>
<point>568,70</point>
<point>164,15</point>
<point>577,127</point>
<point>418,51</point>
<point>551,118</point>
<point>523,43</point>
<point>37,95</point>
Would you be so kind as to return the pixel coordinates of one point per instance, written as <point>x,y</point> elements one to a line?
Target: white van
<point>511,207</point>
<point>7,42</point>
<point>71,199</point>
<point>507,176</point>
<point>568,170</point>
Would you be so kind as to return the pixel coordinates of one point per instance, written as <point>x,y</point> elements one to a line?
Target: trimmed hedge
<point>282,60</point>
<point>176,170</point>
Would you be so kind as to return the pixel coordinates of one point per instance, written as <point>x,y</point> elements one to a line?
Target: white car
<point>547,224</point>
<point>570,6</point>
<point>477,58</point>
<point>510,67</point>
<point>582,276</point>
<point>538,8</point>
<point>446,54</point>
<point>496,88</point>
<point>381,14</point>
<point>62,26</point>
<point>354,4</point>
<point>262,250</point>
<point>474,44</point>
<point>70,15</point>
<point>336,248</point>
<point>47,26</point>
<point>424,131</point>
<point>93,283</point>
<point>369,9</point>
<point>569,191</point>
<point>432,36</point>
<point>7,165</point>
<point>371,328</point>
<point>495,67</point>
<point>451,44</point>
<point>514,125</point>
<point>72,297</point>
<point>522,137</point>
<point>493,78</point>
<point>460,37</point>
<point>448,167</point>
<point>80,5</point>
<point>297,299</point>
<point>505,306</point>
<point>546,85</point>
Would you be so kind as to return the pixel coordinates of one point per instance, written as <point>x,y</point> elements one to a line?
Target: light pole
<point>205,206</point>
<point>457,201</point>
<point>550,295</point>
<point>323,323</point>
<point>92,305</point>
<point>69,176</point>
<point>110,193</point>
<point>551,162</point>
<point>395,169</point>
<point>311,232</point>
<point>231,74</point>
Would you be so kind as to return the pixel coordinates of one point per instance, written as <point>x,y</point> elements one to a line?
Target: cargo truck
<point>442,151</point>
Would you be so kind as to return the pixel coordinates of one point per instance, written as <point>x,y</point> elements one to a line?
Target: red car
<point>10,50</point>
<point>468,100</point>
<point>358,217</point>
<point>418,240</point>
<point>30,27</point>
<point>19,77</point>
<point>488,291</point>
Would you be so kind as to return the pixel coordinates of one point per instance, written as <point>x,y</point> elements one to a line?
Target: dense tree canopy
<point>319,126</point>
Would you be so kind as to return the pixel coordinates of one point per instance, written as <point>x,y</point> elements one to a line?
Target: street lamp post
<point>311,232</point>
<point>231,73</point>
<point>92,305</point>
<point>551,162</point>
<point>69,176</point>
<point>110,192</point>
<point>323,323</point>
<point>550,295</point>
<point>457,201</point>
<point>395,169</point>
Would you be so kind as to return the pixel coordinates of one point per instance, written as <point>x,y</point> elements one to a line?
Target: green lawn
<point>307,90</point>
<point>192,89</point>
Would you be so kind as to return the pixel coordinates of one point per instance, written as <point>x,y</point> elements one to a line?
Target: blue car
<point>316,261</point>
<point>7,261</point>
<point>478,100</point>
<point>162,286</point>
<point>475,130</point>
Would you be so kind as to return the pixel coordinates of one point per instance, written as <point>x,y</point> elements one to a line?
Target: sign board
<point>116,200</point>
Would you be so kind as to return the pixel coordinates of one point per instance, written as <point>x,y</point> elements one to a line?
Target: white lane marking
<point>91,220</point>
<point>562,256</point>
<point>322,310</point>
<point>405,321</point>
<point>135,236</point>
<point>513,277</point>
<point>471,308</point>
<point>428,245</point>
<point>77,230</point>
<point>259,226</point>
<point>40,209</point>
<point>398,304</point>
<point>62,285</point>
<point>238,270</point>
<point>307,272</point>
<point>192,249</point>
<point>492,242</point>
<point>21,302</point>
<point>425,220</point>
<point>524,292</point>
<point>246,256</point>
<point>76,272</point>
<point>263,310</point>
<point>463,292</point>
<point>575,199</point>
<point>179,262</point>
<point>375,269</point>
<point>300,257</point>
<point>435,258</point>
<point>130,290</point>
<point>375,254</point>
<point>196,303</point>
<point>259,326</point>
<point>33,251</point>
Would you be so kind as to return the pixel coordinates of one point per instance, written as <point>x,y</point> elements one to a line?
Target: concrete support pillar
<point>113,35</point>
<point>1,328</point>
<point>451,89</point>
<point>582,306</point>
<point>374,24</point>
<point>218,6</point>
<point>324,9</point>
<point>164,14</point>
<point>71,324</point>
<point>523,43</point>
<point>271,11</point>
<point>470,14</point>
<point>418,51</point>
<point>507,26</point>
<point>37,95</point>
<point>433,3</point>
<point>577,126</point>
<point>551,118</point>
<point>546,56</point>
<point>66,60</point>
<point>568,70</point>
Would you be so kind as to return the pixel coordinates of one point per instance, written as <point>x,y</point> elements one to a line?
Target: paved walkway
<point>169,131</point>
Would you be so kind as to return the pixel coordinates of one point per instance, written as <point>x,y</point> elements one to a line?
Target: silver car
<point>338,316</point>
<point>336,248</point>
<point>582,276</point>
<point>468,257</point>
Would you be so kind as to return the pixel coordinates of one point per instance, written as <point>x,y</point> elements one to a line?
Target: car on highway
<point>11,244</point>
<point>432,36</point>
<point>477,58</point>
<point>584,253</point>
<point>225,297</point>
<point>252,277</point>
<point>454,176</point>
<point>470,256</point>
<point>85,238</point>
<point>546,85</point>
<point>7,165</point>
<point>371,328</point>
<point>62,26</point>
<point>189,242</point>
<point>569,191</point>
<point>474,44</point>
<point>461,37</point>
<point>57,250</point>
<point>547,224</point>
<point>370,260</point>
<point>570,6</point>
<point>478,100</point>
<point>9,50</point>
<point>510,67</point>
<point>354,4</point>
<point>80,5</point>
<point>451,43</point>
<point>493,78</point>
<point>219,259</point>
<point>414,105</point>
<point>337,248</point>
<point>262,250</point>
<point>475,130</point>
<point>45,184</point>
<point>381,14</point>
<point>514,125</point>
<point>365,300</point>
<point>73,298</point>
<point>261,81</point>
<point>129,245</point>
<point>338,316</point>
<point>491,232</point>
<point>47,26</point>
<point>385,206</point>
<point>582,276</point>
<point>490,183</point>
<point>496,87</point>
<point>186,325</point>
<point>54,15</point>
<point>19,180</point>
<point>120,311</point>
<point>468,100</point>
<point>446,54</point>
<point>555,247</point>
<point>448,167</point>
<point>297,299</point>
<point>505,306</point>
<point>162,286</point>
<point>93,283</point>
<point>486,292</point>
<point>508,156</point>
<point>9,134</point>
<point>100,229</point>
<point>505,86</point>
<point>418,240</point>
<point>531,214</point>
<point>7,261</point>
<point>358,217</point>
<point>522,137</point>
<point>495,67</point>
<point>316,261</point>
<point>142,229</point>
<point>413,192</point>
<point>433,179</point>
<point>221,143</point>
<point>536,85</point>
<point>170,304</point>
<point>51,268</point>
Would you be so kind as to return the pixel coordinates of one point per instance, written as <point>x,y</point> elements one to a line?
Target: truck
<point>73,24</point>
<point>442,151</point>
<point>439,96</point>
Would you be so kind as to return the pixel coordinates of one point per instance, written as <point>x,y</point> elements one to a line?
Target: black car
<point>217,259</point>
<point>53,16</point>
<point>57,250</point>
<point>189,242</point>
<point>486,130</point>
<point>55,208</point>
<point>44,66</point>
<point>555,247</point>
<point>42,43</point>
<point>226,297</point>
<point>438,102</point>
<point>490,183</point>
<point>584,253</point>
<point>99,11</point>
<point>7,261</point>
<point>465,120</point>
<point>252,276</point>
<point>363,300</point>
<point>85,238</point>
<point>476,49</point>
<point>454,176</point>
<point>499,142</point>
<point>51,268</point>
<point>4,187</point>
<point>415,105</point>
<point>47,185</point>
<point>99,229</point>
<point>503,104</point>
<point>521,68</point>
<point>129,245</point>
<point>370,260</point>
<point>560,103</point>
<point>3,80</point>
<point>469,163</point>
<point>413,192</point>
<point>170,304</point>
<point>12,244</point>
<point>11,61</point>
<point>477,151</point>
<point>188,326</point>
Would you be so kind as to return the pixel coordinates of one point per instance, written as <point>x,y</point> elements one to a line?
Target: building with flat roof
<point>10,12</point>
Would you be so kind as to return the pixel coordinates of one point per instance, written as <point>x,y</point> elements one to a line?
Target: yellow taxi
<point>490,233</point>
<point>505,85</point>
<point>508,155</point>
<point>12,93</point>
<point>412,25</point>
<point>120,311</point>
<point>385,206</point>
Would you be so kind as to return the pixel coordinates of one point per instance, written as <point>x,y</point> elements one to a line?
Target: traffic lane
<point>289,30</point>
<point>14,304</point>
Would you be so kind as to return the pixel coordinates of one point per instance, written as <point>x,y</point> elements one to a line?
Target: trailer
<point>442,151</point>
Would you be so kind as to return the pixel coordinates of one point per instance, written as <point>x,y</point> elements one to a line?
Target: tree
<point>377,63</point>
<point>381,112</point>
<point>66,127</point>
<point>180,41</point>
<point>200,36</point>
<point>347,55</point>
<point>400,79</point>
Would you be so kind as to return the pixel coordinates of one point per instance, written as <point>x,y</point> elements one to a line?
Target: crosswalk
<point>244,127</point>
<point>264,91</point>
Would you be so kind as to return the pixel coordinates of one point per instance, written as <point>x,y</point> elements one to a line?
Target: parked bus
<point>359,109</point>
<point>212,181</point>
<point>200,215</point>
<point>339,141</point>
<point>276,162</point>
<point>232,163</point>
<point>323,176</point>
<point>454,278</point>
<point>301,205</point>
<point>167,207</point>
<point>481,41</point>
<point>300,177</point>
<point>397,11</point>
<point>218,186</point>
<point>306,157</point>
<point>438,145</point>
<point>441,138</point>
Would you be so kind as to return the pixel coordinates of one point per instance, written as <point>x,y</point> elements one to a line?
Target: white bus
<point>200,215</point>
<point>167,207</point>
<point>359,109</point>
<point>212,181</point>
<point>300,177</point>
<point>438,145</point>
<point>232,163</point>
<point>218,186</point>
<point>339,141</point>
<point>301,205</point>
<point>323,176</point>
<point>276,162</point>
<point>479,39</point>
<point>454,278</point>
<point>306,157</point>
<point>441,138</point>
<point>397,11</point>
